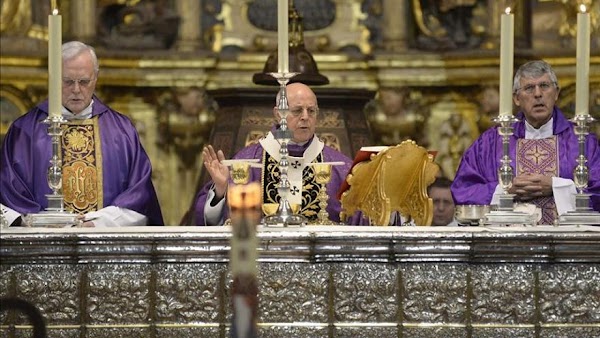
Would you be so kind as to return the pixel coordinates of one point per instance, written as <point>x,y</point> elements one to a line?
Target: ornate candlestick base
<point>506,215</point>
<point>55,203</point>
<point>285,217</point>
<point>583,213</point>
<point>3,220</point>
<point>51,219</point>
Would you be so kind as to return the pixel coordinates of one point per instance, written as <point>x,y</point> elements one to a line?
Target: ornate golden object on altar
<point>395,179</point>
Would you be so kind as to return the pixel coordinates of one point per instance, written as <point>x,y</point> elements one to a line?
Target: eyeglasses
<point>297,111</point>
<point>67,82</point>
<point>544,87</point>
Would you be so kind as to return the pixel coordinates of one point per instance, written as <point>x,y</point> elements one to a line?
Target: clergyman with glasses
<point>106,173</point>
<point>543,149</point>
<point>304,148</point>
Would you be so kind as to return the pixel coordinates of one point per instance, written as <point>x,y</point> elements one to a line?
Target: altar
<point>316,281</point>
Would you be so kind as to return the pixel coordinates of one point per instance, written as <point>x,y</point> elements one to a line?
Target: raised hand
<point>217,170</point>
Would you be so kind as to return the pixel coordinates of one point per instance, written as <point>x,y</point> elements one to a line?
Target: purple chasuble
<point>255,151</point>
<point>477,175</point>
<point>126,169</point>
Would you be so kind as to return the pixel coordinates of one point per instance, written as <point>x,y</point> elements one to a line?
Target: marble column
<point>83,20</point>
<point>395,16</point>
<point>189,38</point>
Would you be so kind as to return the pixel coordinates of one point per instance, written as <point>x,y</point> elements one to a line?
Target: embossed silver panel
<point>290,292</point>
<point>503,293</point>
<point>314,282</point>
<point>427,289</point>
<point>365,295</point>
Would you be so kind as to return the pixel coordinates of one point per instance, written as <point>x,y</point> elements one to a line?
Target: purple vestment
<point>255,151</point>
<point>126,169</point>
<point>477,178</point>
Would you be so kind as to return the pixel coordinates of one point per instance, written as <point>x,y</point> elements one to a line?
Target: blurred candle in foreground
<point>282,37</point>
<point>506,62</point>
<point>244,203</point>
<point>54,62</point>
<point>582,64</point>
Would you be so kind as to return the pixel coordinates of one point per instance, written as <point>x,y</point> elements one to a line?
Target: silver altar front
<point>315,281</point>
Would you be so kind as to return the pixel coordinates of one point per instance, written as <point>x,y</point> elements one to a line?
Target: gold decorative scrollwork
<point>15,17</point>
<point>395,179</point>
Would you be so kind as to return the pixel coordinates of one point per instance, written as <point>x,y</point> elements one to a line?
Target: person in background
<point>543,151</point>
<point>304,148</point>
<point>443,204</point>
<point>106,172</point>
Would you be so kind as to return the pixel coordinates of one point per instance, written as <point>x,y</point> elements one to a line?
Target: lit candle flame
<point>582,8</point>
<point>507,10</point>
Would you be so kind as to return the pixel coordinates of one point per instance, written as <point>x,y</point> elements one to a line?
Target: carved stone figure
<point>489,106</point>
<point>149,24</point>
<point>445,24</point>
<point>455,138</point>
<point>185,118</point>
<point>392,116</point>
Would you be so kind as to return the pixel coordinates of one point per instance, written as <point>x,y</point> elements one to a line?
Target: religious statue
<point>148,24</point>
<point>446,24</point>
<point>489,106</point>
<point>392,116</point>
<point>455,138</point>
<point>185,119</point>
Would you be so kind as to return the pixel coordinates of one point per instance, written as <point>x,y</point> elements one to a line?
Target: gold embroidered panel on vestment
<point>310,189</point>
<point>81,152</point>
<point>539,157</point>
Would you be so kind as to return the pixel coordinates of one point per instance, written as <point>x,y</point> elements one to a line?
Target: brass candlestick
<point>583,213</point>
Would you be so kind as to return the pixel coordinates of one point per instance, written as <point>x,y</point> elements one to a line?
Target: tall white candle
<point>282,37</point>
<point>54,62</point>
<point>506,62</point>
<point>582,89</point>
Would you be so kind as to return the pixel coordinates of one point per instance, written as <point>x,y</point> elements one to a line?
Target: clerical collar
<point>302,144</point>
<point>297,149</point>
<point>545,131</point>
<point>85,113</point>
